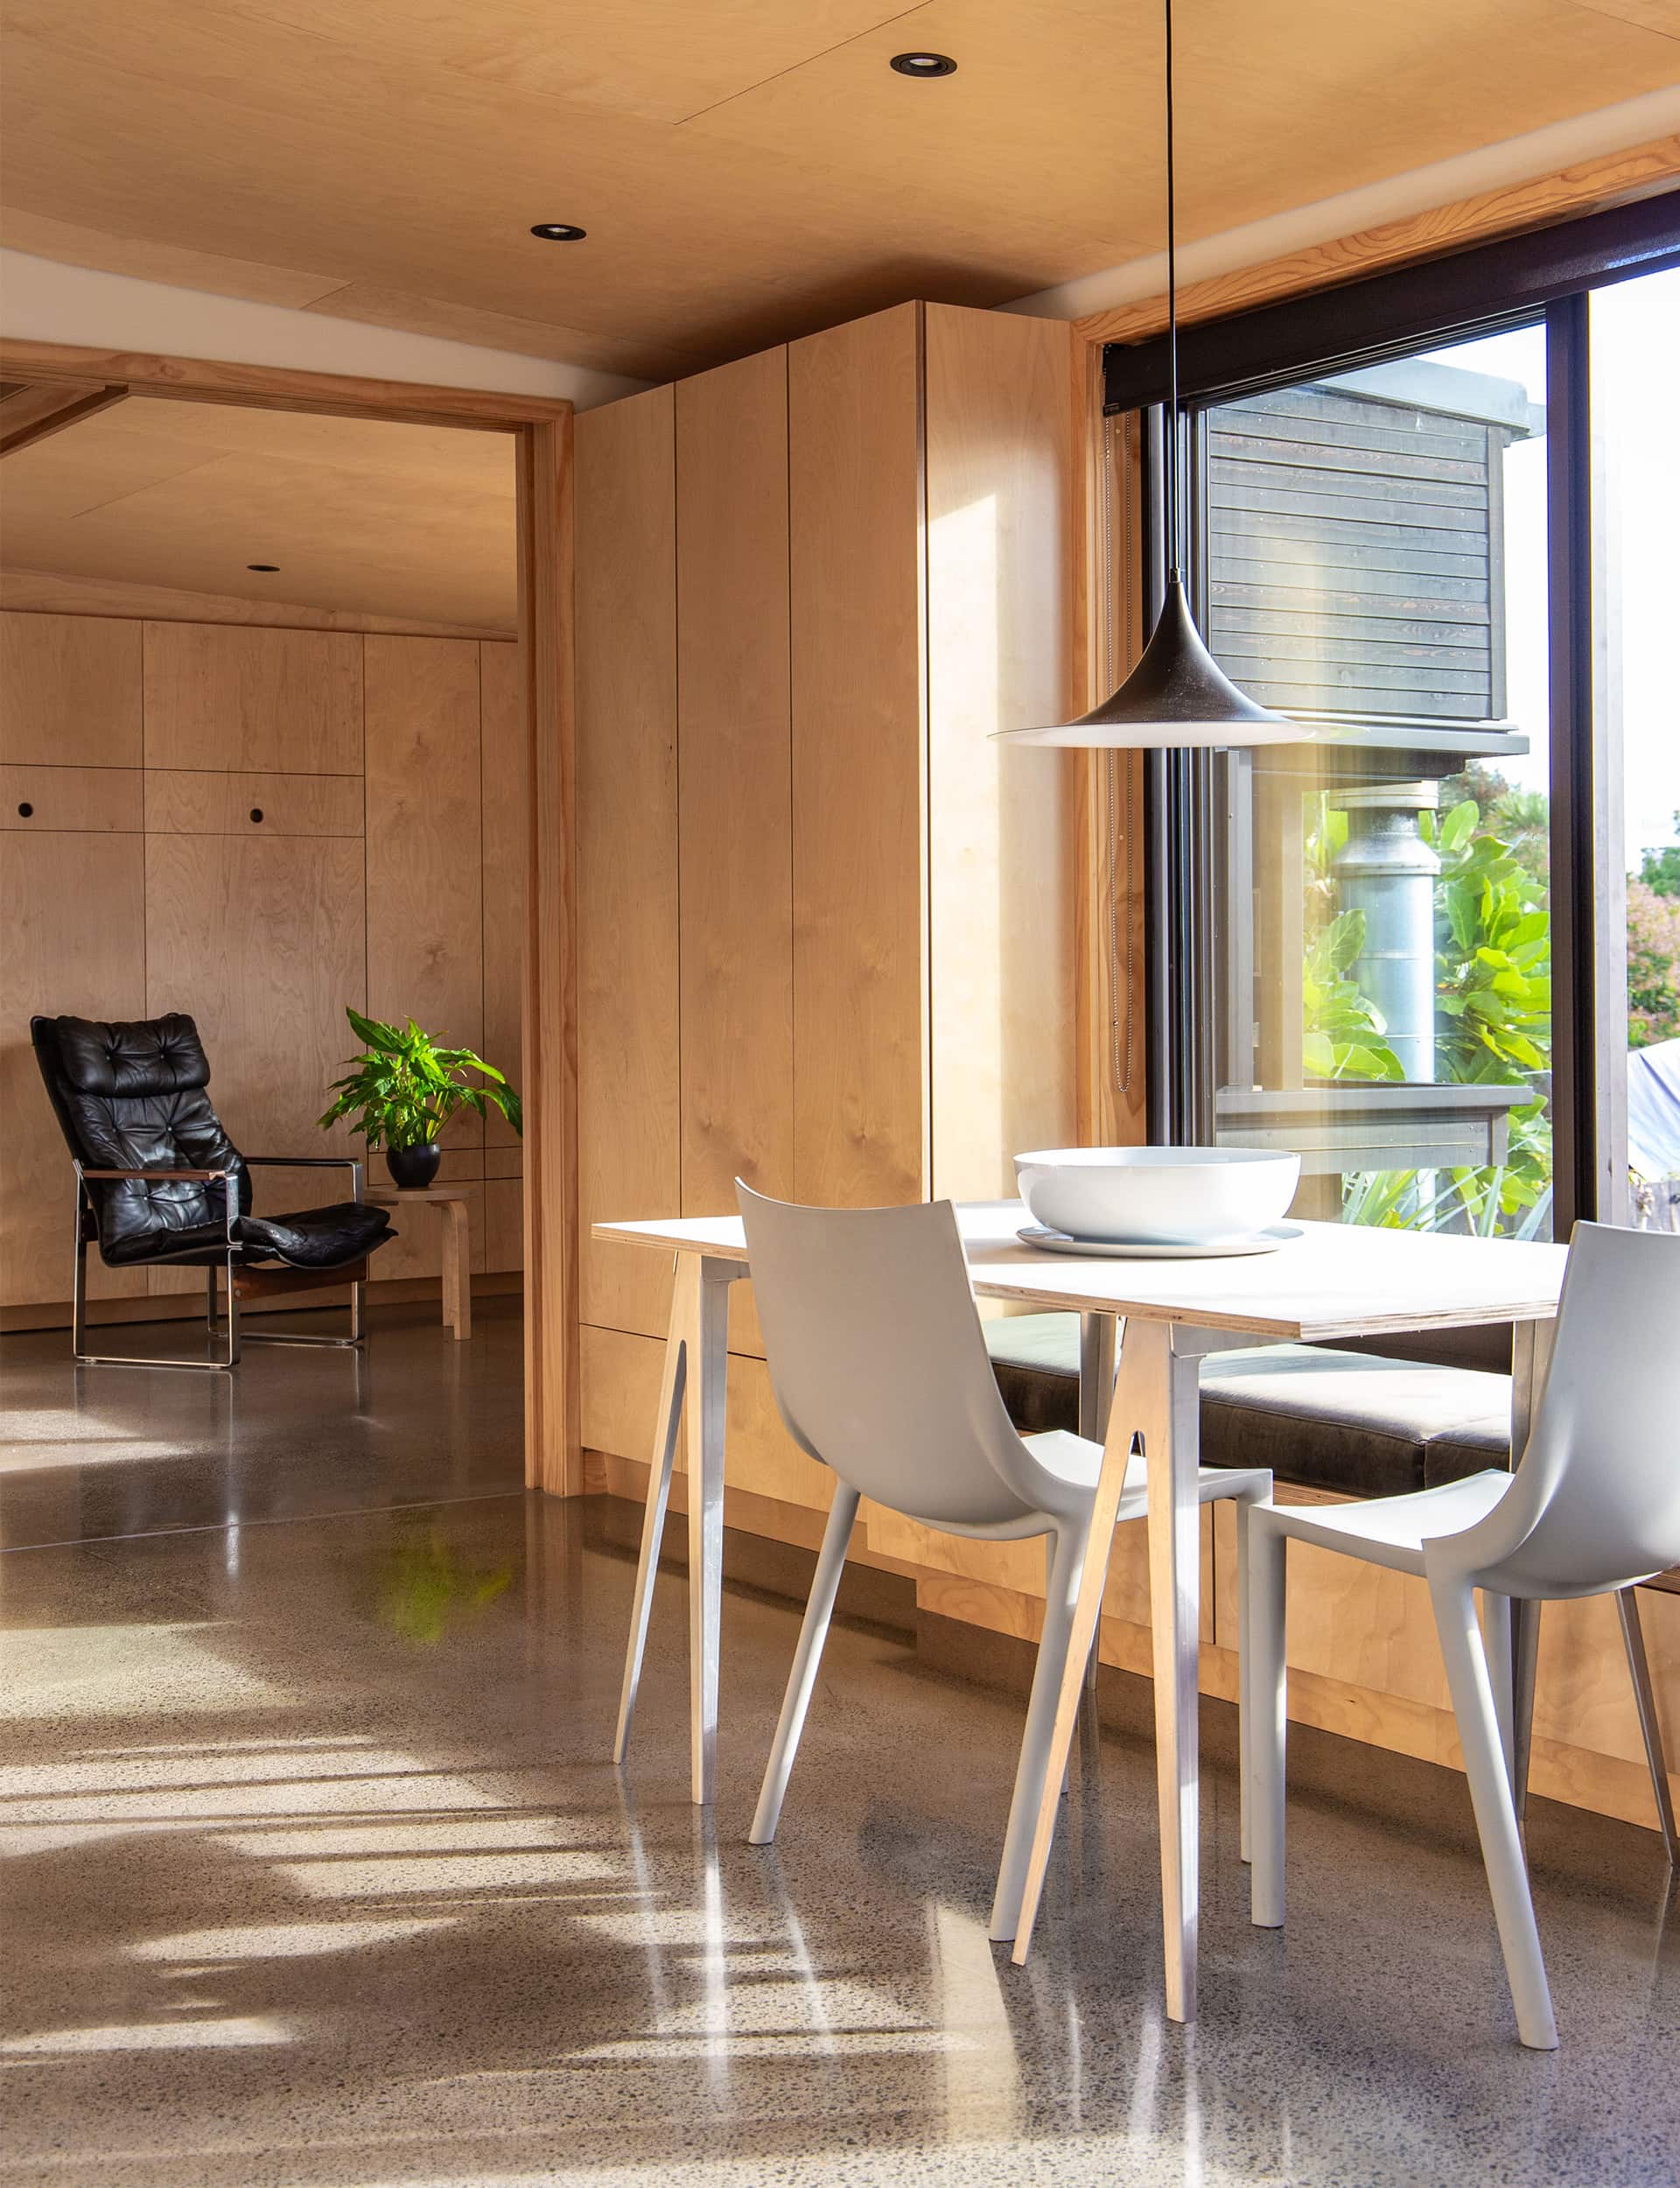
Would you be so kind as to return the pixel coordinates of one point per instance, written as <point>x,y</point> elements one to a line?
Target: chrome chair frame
<point>213,1323</point>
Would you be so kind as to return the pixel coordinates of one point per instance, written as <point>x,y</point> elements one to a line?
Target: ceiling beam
<point>31,413</point>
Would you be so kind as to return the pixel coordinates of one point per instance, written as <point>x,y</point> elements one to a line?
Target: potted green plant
<point>403,1088</point>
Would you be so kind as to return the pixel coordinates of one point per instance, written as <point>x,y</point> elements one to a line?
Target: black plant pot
<point>413,1168</point>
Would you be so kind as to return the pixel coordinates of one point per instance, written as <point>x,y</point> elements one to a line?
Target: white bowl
<point>1158,1196</point>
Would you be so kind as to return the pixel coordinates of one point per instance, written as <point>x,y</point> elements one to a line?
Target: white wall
<point>44,300</point>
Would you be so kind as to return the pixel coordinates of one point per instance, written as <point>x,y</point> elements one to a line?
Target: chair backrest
<point>1596,1500</point>
<point>878,1361</point>
<point>133,1096</point>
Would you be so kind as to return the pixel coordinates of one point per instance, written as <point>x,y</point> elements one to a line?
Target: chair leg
<point>809,1654</point>
<point>1059,1595</point>
<point>1244,1700</point>
<point>1525,1655</point>
<point>1489,1772</point>
<point>1496,1645</point>
<point>1265,1643</point>
<point>210,1300</point>
<point>1633,1635</point>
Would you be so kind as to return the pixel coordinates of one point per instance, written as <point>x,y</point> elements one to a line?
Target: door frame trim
<point>542,428</point>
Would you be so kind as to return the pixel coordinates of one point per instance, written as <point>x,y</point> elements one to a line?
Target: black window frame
<point>1542,278</point>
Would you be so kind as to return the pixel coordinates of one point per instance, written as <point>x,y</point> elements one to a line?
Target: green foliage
<point>1343,1037</point>
<point>424,1587</point>
<point>402,1090</point>
<point>1653,961</point>
<point>1493,989</point>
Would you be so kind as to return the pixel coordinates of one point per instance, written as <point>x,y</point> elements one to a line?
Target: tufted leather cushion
<point>1319,1418</point>
<point>134,1095</point>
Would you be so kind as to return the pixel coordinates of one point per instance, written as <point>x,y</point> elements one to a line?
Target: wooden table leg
<point>1530,1358</point>
<point>457,1267</point>
<point>1125,1414</point>
<point>1155,1396</point>
<point>1171,1444</point>
<point>659,1492</point>
<point>706,1343</point>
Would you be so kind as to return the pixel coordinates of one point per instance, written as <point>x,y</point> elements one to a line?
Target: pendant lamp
<point>1178,695</point>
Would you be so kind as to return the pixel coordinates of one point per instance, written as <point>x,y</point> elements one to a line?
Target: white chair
<point>1592,1507</point>
<point>880,1371</point>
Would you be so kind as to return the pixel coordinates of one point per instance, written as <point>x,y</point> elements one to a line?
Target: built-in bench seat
<point>1319,1418</point>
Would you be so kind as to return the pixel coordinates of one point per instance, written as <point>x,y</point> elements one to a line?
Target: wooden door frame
<point>542,432</point>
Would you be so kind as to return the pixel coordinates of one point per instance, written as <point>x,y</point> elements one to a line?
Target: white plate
<point>1095,1249</point>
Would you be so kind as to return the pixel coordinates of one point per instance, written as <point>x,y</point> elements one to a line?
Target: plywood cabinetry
<point>72,916</point>
<point>70,691</point>
<point>628,1107</point>
<point>209,803</point>
<point>261,940</point>
<point>859,761</point>
<point>785,673</point>
<point>222,696</point>
<point>100,800</point>
<point>130,890</point>
<point>425,890</point>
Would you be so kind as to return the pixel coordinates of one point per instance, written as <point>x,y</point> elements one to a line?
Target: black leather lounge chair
<point>160,1185</point>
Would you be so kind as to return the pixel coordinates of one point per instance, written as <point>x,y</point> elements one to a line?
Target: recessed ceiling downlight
<point>923,63</point>
<point>558,232</point>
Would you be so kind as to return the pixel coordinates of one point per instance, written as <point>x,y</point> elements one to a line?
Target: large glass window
<point>1373,561</point>
<point>1634,334</point>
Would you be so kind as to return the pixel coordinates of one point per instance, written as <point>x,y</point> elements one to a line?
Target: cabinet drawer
<point>98,801</point>
<point>190,802</point>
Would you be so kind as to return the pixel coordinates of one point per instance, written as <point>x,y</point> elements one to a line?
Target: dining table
<point>1147,1323</point>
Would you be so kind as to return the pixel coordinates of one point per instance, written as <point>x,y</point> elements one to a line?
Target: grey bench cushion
<point>1319,1418</point>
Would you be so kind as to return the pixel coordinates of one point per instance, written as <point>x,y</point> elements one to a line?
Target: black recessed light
<point>923,63</point>
<point>268,569</point>
<point>559,232</point>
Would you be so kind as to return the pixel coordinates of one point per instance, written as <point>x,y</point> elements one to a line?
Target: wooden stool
<point>458,1244</point>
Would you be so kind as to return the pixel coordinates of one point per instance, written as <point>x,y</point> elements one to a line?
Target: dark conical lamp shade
<point>1178,695</point>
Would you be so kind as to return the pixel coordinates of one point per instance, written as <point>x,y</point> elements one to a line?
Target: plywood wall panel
<point>735,814</point>
<point>104,800</point>
<point>262,941</point>
<point>211,801</point>
<point>425,843</point>
<point>222,696</point>
<point>629,1133</point>
<point>504,1224</point>
<point>854,494</point>
<point>73,917</point>
<point>1000,871</point>
<point>69,691</point>
<point>503,772</point>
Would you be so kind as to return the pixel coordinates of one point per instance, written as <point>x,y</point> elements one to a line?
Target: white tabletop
<point>1334,1280</point>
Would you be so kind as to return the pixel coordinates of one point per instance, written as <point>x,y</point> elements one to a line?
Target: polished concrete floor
<point>316,1873</point>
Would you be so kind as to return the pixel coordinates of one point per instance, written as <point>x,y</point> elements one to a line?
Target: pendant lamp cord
<point>1174,567</point>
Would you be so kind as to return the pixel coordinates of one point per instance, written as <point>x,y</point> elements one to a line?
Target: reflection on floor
<point>414,1418</point>
<point>317,1874</point>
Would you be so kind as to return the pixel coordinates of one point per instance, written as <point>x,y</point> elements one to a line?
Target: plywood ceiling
<point>408,522</point>
<point>746,169</point>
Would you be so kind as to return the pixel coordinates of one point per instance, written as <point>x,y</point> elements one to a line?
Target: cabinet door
<point>503,765</point>
<point>735,818</point>
<point>859,762</point>
<point>425,844</point>
<point>73,917</point>
<point>228,695</point>
<point>69,691</point>
<point>262,940</point>
<point>1000,887</point>
<point>628,1120</point>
